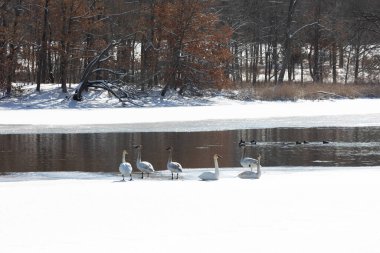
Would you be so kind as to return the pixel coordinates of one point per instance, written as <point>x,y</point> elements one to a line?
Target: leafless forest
<point>188,45</point>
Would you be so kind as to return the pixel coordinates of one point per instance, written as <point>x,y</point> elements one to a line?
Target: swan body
<point>252,174</point>
<point>174,167</point>
<point>247,162</point>
<point>206,176</point>
<point>125,168</point>
<point>143,166</point>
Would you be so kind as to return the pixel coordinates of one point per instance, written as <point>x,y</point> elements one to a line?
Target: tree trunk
<point>12,56</point>
<point>50,60</point>
<point>11,64</point>
<point>267,56</point>
<point>341,56</point>
<point>310,62</point>
<point>150,50</point>
<point>41,73</point>
<point>301,71</point>
<point>347,66</point>
<point>290,70</point>
<point>287,43</point>
<point>143,67</point>
<point>255,63</point>
<point>275,58</point>
<point>133,65</point>
<point>247,64</point>
<point>357,62</point>
<point>64,73</point>
<point>333,61</point>
<point>317,35</point>
<point>251,70</point>
<point>236,62</point>
<point>275,42</point>
<point>83,84</point>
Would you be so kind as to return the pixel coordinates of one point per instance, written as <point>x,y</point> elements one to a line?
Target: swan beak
<point>219,156</point>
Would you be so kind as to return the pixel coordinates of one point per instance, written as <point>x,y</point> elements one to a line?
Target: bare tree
<point>42,56</point>
<point>287,50</point>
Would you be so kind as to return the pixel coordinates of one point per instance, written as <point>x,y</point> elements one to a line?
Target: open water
<point>102,152</point>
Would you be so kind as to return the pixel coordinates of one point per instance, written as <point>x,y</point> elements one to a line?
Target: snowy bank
<point>294,211</point>
<point>49,112</point>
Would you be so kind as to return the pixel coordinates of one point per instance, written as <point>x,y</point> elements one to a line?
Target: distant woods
<point>187,44</point>
<point>333,41</point>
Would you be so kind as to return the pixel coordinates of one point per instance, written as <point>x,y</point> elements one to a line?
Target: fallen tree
<point>113,87</point>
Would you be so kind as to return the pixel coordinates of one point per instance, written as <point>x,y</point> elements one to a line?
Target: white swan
<point>251,174</point>
<point>125,168</point>
<point>174,167</point>
<point>247,162</point>
<point>144,167</point>
<point>211,175</point>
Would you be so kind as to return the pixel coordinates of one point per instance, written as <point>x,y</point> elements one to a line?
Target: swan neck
<point>242,153</point>
<point>123,158</point>
<point>139,155</point>
<point>258,167</point>
<point>216,167</point>
<point>170,156</point>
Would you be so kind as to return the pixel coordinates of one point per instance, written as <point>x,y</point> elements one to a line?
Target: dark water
<point>101,152</point>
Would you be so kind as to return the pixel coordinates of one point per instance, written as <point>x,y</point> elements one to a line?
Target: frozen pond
<point>101,152</point>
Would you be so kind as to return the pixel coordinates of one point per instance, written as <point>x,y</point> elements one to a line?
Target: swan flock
<point>125,168</point>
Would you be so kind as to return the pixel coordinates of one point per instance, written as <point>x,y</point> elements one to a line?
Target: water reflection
<point>101,152</point>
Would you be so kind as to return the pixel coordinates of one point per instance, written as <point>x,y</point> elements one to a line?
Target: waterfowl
<point>143,166</point>
<point>252,174</point>
<point>206,176</point>
<point>125,168</point>
<point>173,167</point>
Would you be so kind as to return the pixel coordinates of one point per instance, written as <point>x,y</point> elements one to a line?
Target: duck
<point>252,142</point>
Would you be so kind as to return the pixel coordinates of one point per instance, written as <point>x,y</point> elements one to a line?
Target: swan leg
<point>172,176</point>
<point>142,175</point>
<point>131,177</point>
<point>177,175</point>
<point>123,178</point>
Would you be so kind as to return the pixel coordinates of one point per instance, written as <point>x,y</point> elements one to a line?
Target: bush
<point>295,91</point>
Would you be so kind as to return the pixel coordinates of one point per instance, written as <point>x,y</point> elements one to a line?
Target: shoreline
<point>189,174</point>
<point>368,120</point>
<point>218,114</point>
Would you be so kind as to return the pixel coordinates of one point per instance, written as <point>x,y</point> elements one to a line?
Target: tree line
<point>305,40</point>
<point>187,44</point>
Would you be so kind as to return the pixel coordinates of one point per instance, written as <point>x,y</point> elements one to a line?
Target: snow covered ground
<point>287,210</point>
<point>49,111</point>
<point>334,210</point>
